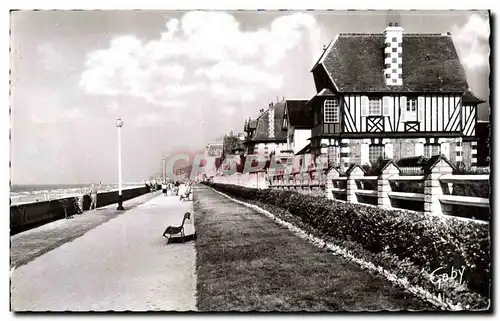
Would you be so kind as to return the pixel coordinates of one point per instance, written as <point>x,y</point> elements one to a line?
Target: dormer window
<point>374,106</point>
<point>411,105</point>
<point>411,109</point>
<point>331,111</point>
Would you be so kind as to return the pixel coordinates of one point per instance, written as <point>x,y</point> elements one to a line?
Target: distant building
<point>214,149</point>
<point>266,135</point>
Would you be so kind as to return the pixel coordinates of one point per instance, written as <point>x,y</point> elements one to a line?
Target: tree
<point>230,143</point>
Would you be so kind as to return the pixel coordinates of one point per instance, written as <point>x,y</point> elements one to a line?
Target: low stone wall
<point>27,216</point>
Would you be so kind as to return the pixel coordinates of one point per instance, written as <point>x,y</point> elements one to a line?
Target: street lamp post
<point>164,171</point>
<point>119,125</point>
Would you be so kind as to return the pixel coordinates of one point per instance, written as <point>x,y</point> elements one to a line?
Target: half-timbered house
<point>394,94</point>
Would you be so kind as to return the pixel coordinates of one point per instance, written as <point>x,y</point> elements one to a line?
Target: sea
<point>22,194</point>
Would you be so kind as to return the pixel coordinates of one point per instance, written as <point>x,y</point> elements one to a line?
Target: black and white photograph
<point>250,160</point>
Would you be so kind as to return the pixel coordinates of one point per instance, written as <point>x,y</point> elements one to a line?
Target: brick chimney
<point>271,120</point>
<point>393,61</point>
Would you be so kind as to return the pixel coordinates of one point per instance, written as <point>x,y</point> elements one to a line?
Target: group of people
<point>182,189</point>
<point>92,192</point>
<point>153,186</point>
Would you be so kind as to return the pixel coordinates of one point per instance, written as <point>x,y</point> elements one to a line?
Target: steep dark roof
<point>299,114</point>
<point>262,126</point>
<point>470,98</point>
<point>430,64</point>
<point>325,92</point>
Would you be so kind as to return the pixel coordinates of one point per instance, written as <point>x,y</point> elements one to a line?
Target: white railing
<point>435,198</point>
<point>436,185</point>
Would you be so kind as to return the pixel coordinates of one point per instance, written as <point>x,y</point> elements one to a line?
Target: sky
<point>178,79</point>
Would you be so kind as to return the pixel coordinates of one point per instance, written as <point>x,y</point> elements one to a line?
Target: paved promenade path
<point>28,245</point>
<point>119,264</point>
<point>248,262</point>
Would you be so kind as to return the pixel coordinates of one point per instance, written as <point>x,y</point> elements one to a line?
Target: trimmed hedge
<point>429,242</point>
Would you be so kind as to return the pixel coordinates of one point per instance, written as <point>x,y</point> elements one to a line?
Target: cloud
<point>203,54</point>
<point>472,42</point>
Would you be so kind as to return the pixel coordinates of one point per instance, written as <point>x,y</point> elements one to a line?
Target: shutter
<point>365,154</point>
<point>388,151</point>
<point>387,105</point>
<point>420,109</point>
<point>402,108</point>
<point>419,149</point>
<point>365,102</point>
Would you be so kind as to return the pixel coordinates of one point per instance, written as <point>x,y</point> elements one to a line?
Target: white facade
<point>300,139</point>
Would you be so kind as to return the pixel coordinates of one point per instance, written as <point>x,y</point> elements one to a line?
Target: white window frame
<point>411,109</point>
<point>371,106</point>
<point>331,111</point>
<point>371,148</point>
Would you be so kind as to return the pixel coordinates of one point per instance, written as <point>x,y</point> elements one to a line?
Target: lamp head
<point>119,122</point>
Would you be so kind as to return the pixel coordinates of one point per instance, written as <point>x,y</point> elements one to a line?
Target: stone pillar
<point>351,184</point>
<point>332,173</point>
<point>384,187</point>
<point>345,153</point>
<point>434,190</point>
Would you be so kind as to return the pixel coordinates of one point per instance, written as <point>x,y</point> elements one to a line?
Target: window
<point>374,107</point>
<point>431,150</point>
<point>411,104</point>
<point>375,152</point>
<point>331,111</point>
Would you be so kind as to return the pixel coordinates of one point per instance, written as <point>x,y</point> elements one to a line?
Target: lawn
<point>246,262</point>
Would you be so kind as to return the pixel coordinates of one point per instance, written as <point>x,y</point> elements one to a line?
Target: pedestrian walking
<point>80,200</point>
<point>93,197</point>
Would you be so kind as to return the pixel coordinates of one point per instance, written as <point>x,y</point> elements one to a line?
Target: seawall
<point>27,216</point>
